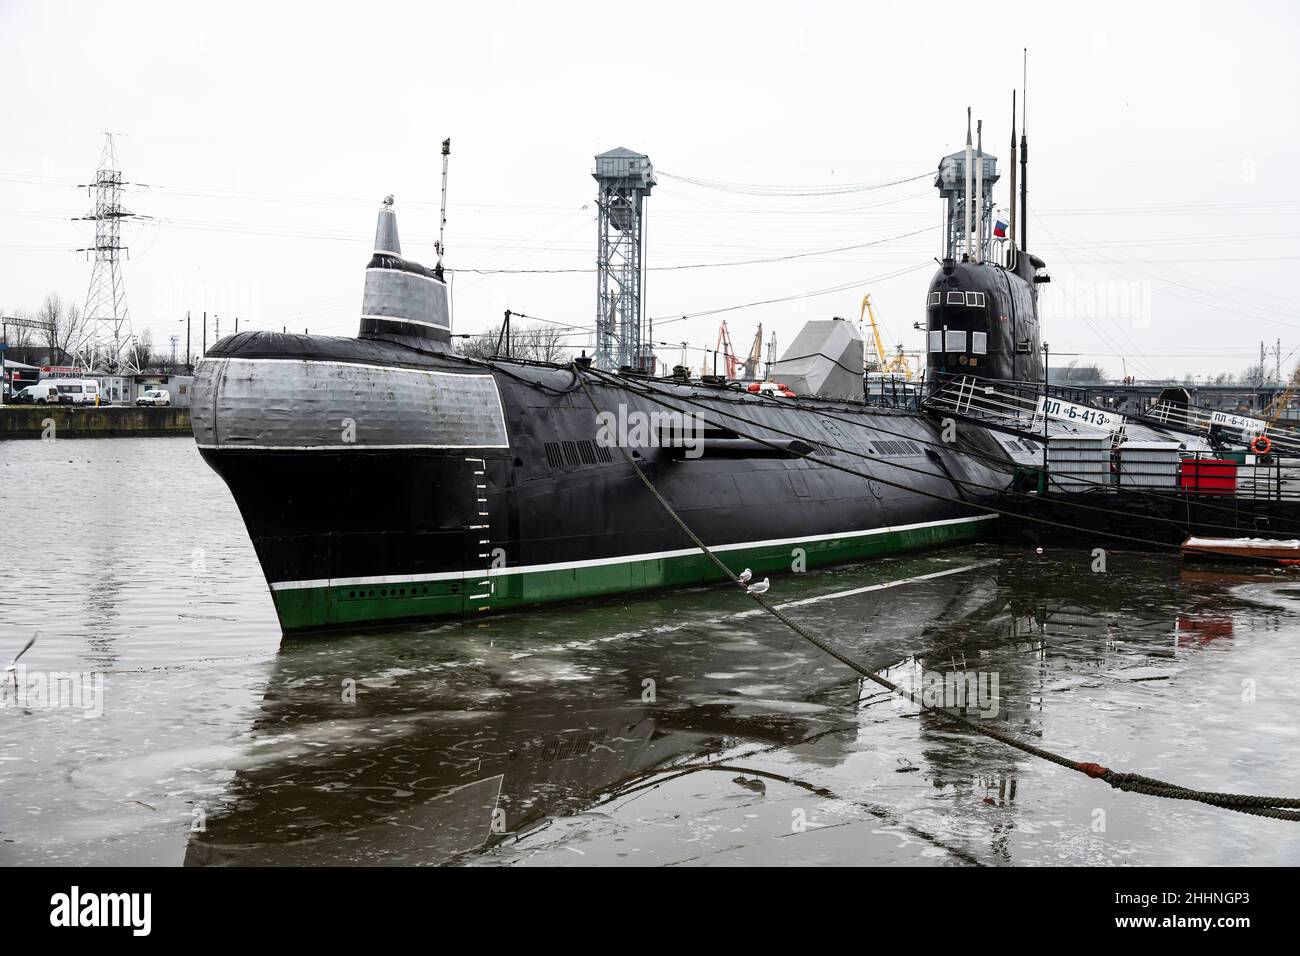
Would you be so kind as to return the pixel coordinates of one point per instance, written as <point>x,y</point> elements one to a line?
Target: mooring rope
<point>1278,808</point>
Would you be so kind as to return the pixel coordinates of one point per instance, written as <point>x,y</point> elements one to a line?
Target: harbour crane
<point>1277,408</point>
<point>727,352</point>
<point>895,365</point>
<point>755,354</point>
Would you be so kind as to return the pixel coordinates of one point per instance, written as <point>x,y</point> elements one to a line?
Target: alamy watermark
<point>960,690</point>
<point>1118,300</point>
<point>71,690</point>
<point>630,428</point>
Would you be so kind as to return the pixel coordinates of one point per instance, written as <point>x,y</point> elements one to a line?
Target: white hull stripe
<point>602,562</point>
<point>342,446</point>
<point>405,321</point>
<point>383,368</point>
<point>403,272</point>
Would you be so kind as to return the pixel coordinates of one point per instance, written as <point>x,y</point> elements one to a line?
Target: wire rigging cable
<point>722,265</point>
<point>664,320</point>
<point>755,189</point>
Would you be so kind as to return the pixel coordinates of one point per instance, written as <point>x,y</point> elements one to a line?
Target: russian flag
<point>1000,228</point>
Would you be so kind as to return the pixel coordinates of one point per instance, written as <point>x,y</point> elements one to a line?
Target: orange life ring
<point>1261,445</point>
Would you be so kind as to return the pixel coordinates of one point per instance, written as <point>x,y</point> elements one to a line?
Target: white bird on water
<point>13,664</point>
<point>745,575</point>
<point>759,588</point>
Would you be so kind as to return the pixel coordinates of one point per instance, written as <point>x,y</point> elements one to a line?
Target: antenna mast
<point>1011,226</point>
<point>442,223</point>
<point>979,191</point>
<point>969,224</point>
<point>1024,158</point>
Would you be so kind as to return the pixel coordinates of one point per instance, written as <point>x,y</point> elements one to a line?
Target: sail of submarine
<point>387,478</point>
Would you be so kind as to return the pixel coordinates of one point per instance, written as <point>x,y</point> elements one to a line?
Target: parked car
<point>155,396</point>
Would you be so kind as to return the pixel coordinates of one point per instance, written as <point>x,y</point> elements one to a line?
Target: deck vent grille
<point>891,447</point>
<point>571,454</point>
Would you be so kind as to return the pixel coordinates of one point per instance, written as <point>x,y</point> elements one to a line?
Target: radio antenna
<point>1024,158</point>
<point>1011,226</point>
<point>440,248</point>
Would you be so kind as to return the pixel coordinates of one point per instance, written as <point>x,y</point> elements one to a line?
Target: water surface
<point>680,728</point>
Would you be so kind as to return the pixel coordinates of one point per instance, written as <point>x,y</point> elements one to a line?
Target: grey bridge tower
<point>624,179</point>
<point>977,243</point>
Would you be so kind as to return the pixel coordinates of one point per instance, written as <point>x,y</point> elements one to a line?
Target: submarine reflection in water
<point>423,746</point>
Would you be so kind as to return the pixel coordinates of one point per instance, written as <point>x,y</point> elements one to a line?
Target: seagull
<point>759,588</point>
<point>745,575</point>
<point>388,200</point>
<point>26,647</point>
<point>11,671</point>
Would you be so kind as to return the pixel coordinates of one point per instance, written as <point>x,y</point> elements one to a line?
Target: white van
<point>78,391</point>
<point>42,393</point>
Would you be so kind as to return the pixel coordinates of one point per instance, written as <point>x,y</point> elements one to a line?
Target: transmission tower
<point>624,179</point>
<point>105,341</point>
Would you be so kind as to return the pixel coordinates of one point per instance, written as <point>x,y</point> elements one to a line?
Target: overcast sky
<point>1163,178</point>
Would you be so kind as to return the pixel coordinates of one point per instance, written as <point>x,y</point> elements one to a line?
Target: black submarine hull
<point>384,483</point>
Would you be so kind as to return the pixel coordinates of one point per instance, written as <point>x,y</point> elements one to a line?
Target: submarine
<point>388,478</point>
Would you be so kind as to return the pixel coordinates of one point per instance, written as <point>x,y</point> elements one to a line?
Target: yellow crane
<point>1277,408</point>
<point>895,365</point>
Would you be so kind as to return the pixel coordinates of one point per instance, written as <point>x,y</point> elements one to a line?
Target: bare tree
<point>480,346</point>
<point>19,337</point>
<point>61,327</point>
<point>537,343</point>
<point>1254,375</point>
<point>50,315</point>
<point>545,343</point>
<point>144,354</point>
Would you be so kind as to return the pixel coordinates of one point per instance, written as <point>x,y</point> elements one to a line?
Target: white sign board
<point>1079,414</point>
<point>1247,426</point>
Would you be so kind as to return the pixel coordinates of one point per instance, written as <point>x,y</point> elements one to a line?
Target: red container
<point>1208,476</point>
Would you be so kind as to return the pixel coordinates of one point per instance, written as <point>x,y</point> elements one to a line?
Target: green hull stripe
<point>331,606</point>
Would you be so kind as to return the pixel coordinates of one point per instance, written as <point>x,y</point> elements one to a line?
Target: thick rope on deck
<point>1277,808</point>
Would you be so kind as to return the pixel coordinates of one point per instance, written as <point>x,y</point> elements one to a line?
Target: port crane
<point>728,353</point>
<point>755,354</point>
<point>1277,408</point>
<point>895,365</point>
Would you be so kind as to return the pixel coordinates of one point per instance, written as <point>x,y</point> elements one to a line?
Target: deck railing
<point>1201,474</point>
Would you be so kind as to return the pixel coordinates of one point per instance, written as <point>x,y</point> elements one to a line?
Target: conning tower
<point>403,301</point>
<point>982,305</point>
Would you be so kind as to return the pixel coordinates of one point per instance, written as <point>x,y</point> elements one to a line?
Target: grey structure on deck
<point>386,239</point>
<point>624,179</point>
<point>825,360</point>
<point>1079,462</point>
<point>1148,464</point>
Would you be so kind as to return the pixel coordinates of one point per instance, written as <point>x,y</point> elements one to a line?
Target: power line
<point>715,265</point>
<point>755,189</point>
<point>799,295</point>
